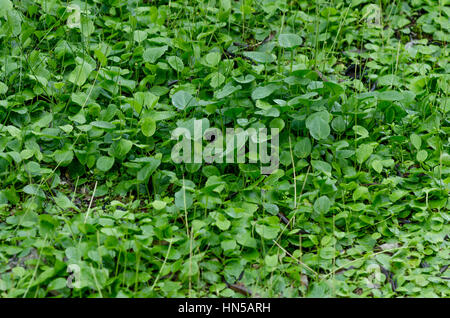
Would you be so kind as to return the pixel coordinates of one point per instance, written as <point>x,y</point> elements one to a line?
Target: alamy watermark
<point>74,19</point>
<point>372,15</point>
<point>74,279</point>
<point>235,145</point>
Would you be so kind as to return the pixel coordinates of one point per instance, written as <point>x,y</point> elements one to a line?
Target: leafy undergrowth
<point>92,205</point>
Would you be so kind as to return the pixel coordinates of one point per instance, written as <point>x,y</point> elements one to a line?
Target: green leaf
<point>338,124</point>
<point>183,199</point>
<point>390,96</point>
<point>260,57</point>
<point>159,205</point>
<point>422,155</point>
<point>211,59</point>
<point>302,148</point>
<point>103,125</point>
<point>183,99</point>
<point>361,131</point>
<point>14,22</point>
<point>227,90</point>
<point>149,168</point>
<point>80,74</point>
<point>363,152</point>
<point>264,91</point>
<point>289,40</point>
<point>139,35</point>
<point>318,125</point>
<point>3,88</point>
<point>144,99</point>
<point>327,252</point>
<point>148,126</point>
<point>322,166</point>
<point>58,283</point>
<point>47,226</point>
<point>245,239</point>
<point>377,166</point>
<point>267,232</point>
<point>151,55</point>
<point>271,208</point>
<point>389,80</point>
<point>322,205</point>
<point>64,202</point>
<point>35,190</point>
<point>63,157</point>
<point>244,79</point>
<point>228,245</point>
<point>397,195</point>
<point>176,63</point>
<point>277,123</point>
<point>120,148</point>
<point>445,159</point>
<point>217,79</point>
<point>271,260</point>
<point>5,6</point>
<point>221,221</point>
<point>104,163</point>
<point>33,167</point>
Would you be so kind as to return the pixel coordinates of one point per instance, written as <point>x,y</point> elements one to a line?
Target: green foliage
<point>358,207</point>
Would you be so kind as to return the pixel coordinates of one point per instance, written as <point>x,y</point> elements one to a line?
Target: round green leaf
<point>3,88</point>
<point>183,99</point>
<point>277,123</point>
<point>148,126</point>
<point>267,232</point>
<point>217,79</point>
<point>260,57</point>
<point>176,63</point>
<point>211,59</point>
<point>377,165</point>
<point>120,148</point>
<point>322,205</point>
<point>318,128</point>
<point>105,163</point>
<point>302,148</point>
<point>422,155</point>
<point>289,40</point>
<point>152,54</point>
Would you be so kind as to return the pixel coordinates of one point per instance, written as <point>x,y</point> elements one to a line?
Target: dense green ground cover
<point>92,205</point>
